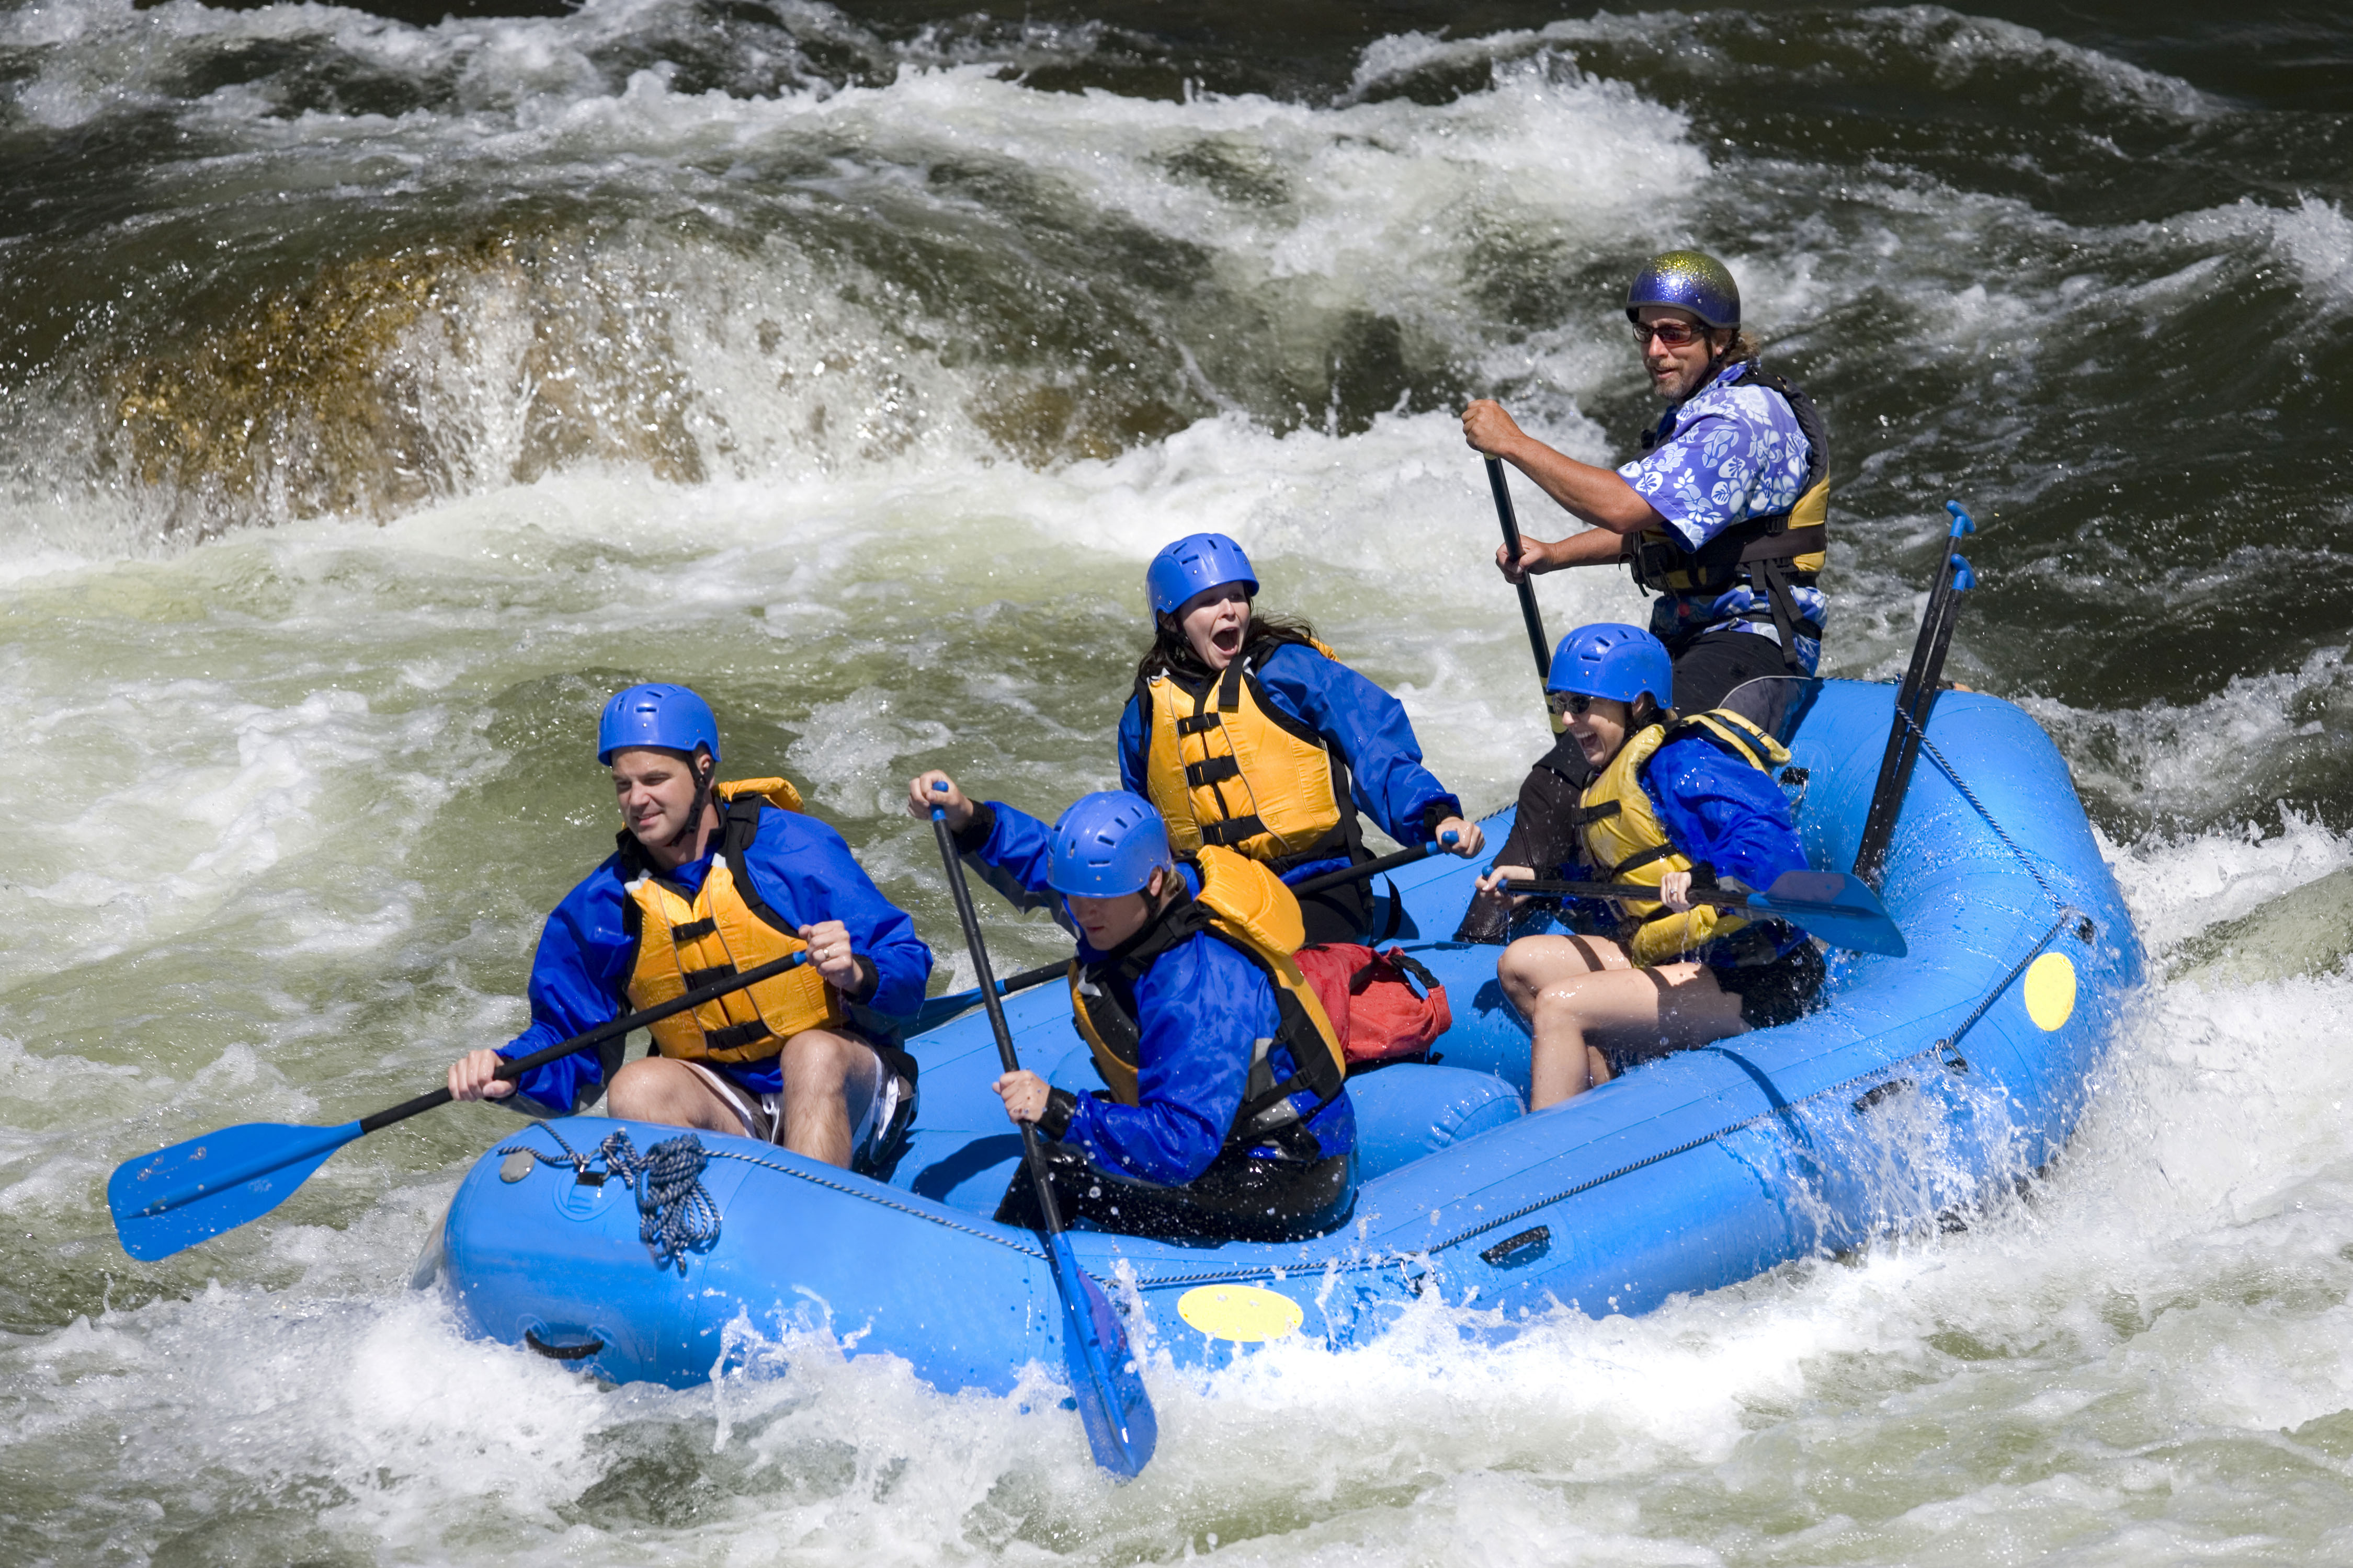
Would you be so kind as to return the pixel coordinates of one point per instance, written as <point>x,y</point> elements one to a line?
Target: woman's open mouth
<point>1227,640</point>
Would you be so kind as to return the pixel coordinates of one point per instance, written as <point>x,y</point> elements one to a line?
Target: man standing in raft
<point>1672,805</point>
<point>1228,1115</point>
<point>1724,516</point>
<point>1248,734</point>
<point>709,880</point>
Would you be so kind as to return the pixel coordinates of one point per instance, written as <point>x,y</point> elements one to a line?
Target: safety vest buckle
<point>1216,770</point>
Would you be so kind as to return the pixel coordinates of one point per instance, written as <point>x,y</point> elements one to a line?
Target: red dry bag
<point>1372,1003</point>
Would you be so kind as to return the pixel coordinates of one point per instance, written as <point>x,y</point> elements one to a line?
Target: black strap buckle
<point>1217,769</point>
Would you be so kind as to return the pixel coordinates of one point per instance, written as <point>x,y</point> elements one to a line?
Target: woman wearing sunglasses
<point>1723,516</point>
<point>1672,805</point>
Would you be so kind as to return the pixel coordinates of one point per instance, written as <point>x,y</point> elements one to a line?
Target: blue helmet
<point>668,717</point>
<point>1607,660</point>
<point>1194,564</point>
<point>1107,844</point>
<point>1689,280</point>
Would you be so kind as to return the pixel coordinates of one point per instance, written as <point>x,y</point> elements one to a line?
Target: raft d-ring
<point>2050,991</point>
<point>1243,1313</point>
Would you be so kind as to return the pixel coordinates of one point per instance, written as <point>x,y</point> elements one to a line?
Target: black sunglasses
<point>1672,334</point>
<point>1575,704</point>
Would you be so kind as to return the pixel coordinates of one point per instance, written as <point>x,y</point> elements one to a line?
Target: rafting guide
<point>708,880</point>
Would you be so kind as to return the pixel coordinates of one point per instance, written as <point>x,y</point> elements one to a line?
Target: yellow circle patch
<point>2050,991</point>
<point>1241,1312</point>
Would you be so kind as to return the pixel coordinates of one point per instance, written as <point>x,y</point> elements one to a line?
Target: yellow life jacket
<point>1244,905</point>
<point>1240,773</point>
<point>1773,553</point>
<point>1625,842</point>
<point>686,939</point>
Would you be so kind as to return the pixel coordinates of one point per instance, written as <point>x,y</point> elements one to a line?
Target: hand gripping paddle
<point>169,1200</point>
<point>1121,1427</point>
<point>1841,909</point>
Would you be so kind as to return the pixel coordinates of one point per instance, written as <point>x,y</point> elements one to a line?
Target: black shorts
<point>1713,664</point>
<point>1771,995</point>
<point>1343,913</point>
<point>1236,1199</point>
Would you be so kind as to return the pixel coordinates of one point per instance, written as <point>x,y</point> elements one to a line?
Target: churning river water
<point>378,392</point>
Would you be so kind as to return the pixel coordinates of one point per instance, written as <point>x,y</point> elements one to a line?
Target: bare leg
<point>1535,962</point>
<point>1671,1007</point>
<point>823,1073</point>
<point>656,1088</point>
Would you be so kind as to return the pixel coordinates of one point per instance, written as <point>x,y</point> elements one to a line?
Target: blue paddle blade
<point>169,1200</point>
<point>1841,909</point>
<point>1106,1378</point>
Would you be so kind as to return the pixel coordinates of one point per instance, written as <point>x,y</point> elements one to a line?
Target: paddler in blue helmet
<point>710,878</point>
<point>1249,734</point>
<point>1674,803</point>
<point>1226,1112</point>
<point>1724,514</point>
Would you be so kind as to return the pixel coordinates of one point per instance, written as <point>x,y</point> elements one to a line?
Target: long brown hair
<point>1172,651</point>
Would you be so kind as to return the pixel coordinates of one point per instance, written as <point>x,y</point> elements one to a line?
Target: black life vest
<point>1773,553</point>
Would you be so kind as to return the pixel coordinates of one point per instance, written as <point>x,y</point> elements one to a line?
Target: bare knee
<point>639,1092</point>
<point>819,1061</point>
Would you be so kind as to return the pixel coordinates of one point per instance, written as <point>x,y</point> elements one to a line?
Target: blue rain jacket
<point>1202,1010</point>
<point>1385,776</point>
<point>806,873</point>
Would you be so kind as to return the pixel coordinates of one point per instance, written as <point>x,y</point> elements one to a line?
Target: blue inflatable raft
<point>1920,1084</point>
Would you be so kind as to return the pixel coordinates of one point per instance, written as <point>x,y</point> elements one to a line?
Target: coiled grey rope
<point>675,1214</point>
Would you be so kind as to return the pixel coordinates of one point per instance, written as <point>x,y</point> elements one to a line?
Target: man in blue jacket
<point>1226,1115</point>
<point>712,878</point>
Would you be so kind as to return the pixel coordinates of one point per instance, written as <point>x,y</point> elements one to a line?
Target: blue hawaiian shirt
<point>1726,454</point>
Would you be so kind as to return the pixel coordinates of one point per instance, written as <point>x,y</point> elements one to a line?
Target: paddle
<point>169,1200</point>
<point>940,1009</point>
<point>1914,697</point>
<point>1121,1427</point>
<point>1838,909</point>
<point>1538,643</point>
<point>952,1003</point>
<point>1347,874</point>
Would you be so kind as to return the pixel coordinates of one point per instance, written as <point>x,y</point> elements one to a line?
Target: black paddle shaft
<point>1538,644</point>
<point>1347,874</point>
<point>1031,1155</point>
<point>1914,699</point>
<point>510,1071</point>
<point>1622,890</point>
